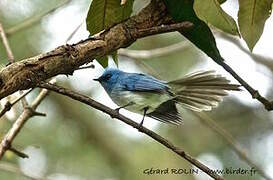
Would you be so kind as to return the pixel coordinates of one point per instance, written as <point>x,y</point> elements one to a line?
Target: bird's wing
<point>166,112</point>
<point>143,83</point>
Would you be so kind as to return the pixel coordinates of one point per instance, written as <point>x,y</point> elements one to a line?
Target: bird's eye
<point>108,76</point>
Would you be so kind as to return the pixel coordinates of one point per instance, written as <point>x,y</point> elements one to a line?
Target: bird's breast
<point>140,100</point>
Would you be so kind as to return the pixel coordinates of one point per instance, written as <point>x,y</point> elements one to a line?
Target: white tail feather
<point>201,91</point>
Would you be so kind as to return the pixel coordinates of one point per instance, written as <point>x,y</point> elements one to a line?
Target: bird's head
<point>109,78</point>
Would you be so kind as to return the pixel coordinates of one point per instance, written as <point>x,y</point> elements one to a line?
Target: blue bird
<point>141,93</point>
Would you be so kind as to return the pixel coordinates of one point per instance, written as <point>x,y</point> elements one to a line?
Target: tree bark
<point>65,59</point>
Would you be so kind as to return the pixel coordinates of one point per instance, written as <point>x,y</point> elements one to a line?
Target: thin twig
<point>35,19</point>
<point>67,58</point>
<point>6,44</point>
<point>121,35</point>
<point>27,113</point>
<point>8,105</point>
<point>254,93</point>
<point>73,32</point>
<point>10,57</point>
<point>23,100</point>
<point>114,114</point>
<point>260,59</point>
<point>147,54</point>
<point>242,153</point>
<point>19,123</point>
<point>153,53</point>
<point>219,130</point>
<point>16,127</point>
<point>181,26</point>
<point>18,153</point>
<point>266,61</point>
<point>70,37</point>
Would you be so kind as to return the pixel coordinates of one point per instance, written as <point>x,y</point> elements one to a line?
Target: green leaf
<point>200,34</point>
<point>222,1</point>
<point>251,18</point>
<point>103,61</point>
<point>104,14</point>
<point>115,57</point>
<point>211,12</point>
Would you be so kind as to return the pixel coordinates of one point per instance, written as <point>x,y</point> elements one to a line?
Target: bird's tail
<point>201,91</point>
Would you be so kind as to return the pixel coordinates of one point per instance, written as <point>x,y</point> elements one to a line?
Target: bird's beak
<point>97,79</point>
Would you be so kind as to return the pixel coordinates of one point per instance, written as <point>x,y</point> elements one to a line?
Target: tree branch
<point>202,116</point>
<point>6,44</point>
<point>10,57</point>
<point>19,123</point>
<point>114,114</point>
<point>65,59</point>
<point>266,61</point>
<point>254,93</point>
<point>231,142</point>
<point>73,32</point>
<point>29,112</point>
<point>146,54</point>
<point>8,105</point>
<point>18,153</point>
<point>153,53</point>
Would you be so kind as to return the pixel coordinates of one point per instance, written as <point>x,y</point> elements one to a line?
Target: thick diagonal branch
<point>114,114</point>
<point>65,59</point>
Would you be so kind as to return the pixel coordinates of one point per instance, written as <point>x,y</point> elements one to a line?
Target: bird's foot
<point>121,107</point>
<point>140,126</point>
<point>117,109</point>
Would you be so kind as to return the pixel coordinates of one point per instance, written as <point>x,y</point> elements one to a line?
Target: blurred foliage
<point>82,143</point>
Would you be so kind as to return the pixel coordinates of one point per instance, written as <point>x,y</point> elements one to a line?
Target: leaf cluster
<point>251,19</point>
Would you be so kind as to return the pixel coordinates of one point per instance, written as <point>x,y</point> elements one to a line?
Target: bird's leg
<point>124,106</point>
<point>144,114</point>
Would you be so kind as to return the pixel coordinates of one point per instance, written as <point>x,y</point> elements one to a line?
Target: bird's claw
<point>117,109</point>
<point>140,126</point>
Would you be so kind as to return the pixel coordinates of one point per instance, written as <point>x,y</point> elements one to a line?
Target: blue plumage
<point>142,83</point>
<point>142,93</point>
<point>114,78</point>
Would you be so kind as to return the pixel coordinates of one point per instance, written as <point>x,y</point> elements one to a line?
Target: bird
<point>158,99</point>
